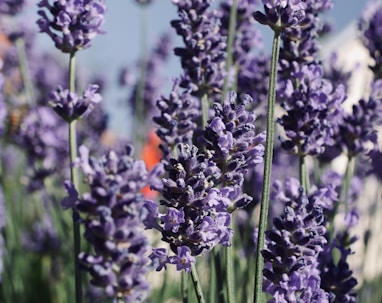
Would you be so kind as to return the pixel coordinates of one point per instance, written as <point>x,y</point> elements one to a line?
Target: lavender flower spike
<point>112,215</point>
<point>70,107</point>
<point>74,23</point>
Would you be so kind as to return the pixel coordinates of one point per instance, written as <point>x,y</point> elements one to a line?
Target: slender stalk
<point>24,71</point>
<point>197,286</point>
<point>264,206</point>
<point>184,287</point>
<point>230,287</point>
<point>230,40</point>
<point>139,98</point>
<point>304,176</point>
<point>212,283</point>
<point>347,179</point>
<point>230,274</point>
<point>75,180</point>
<point>205,107</point>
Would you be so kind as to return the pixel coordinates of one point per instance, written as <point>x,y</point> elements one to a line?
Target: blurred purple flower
<point>73,24</point>
<point>70,107</point>
<point>13,7</point>
<point>112,216</point>
<point>313,111</point>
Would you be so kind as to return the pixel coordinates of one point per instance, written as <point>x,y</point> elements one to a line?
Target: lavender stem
<point>74,179</point>
<point>197,286</point>
<point>267,167</point>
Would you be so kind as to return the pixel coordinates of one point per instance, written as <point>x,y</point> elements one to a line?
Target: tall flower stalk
<point>264,206</point>
<point>72,26</point>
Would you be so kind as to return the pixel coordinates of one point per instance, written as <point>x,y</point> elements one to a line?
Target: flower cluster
<point>197,214</point>
<point>231,139</point>
<point>70,107</point>
<point>282,14</point>
<point>203,55</point>
<point>292,247</point>
<point>12,7</point>
<point>177,121</point>
<point>74,24</point>
<point>313,111</point>
<point>112,216</point>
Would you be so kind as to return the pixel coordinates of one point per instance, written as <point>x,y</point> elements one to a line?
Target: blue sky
<point>121,44</point>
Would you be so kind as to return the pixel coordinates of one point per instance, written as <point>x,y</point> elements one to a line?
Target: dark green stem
<point>197,286</point>
<point>205,107</point>
<point>267,168</point>
<point>230,41</point>
<point>75,180</point>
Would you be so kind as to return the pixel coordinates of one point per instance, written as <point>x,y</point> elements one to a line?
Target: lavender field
<point>253,175</point>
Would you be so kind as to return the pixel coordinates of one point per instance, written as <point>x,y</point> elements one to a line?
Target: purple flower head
<point>113,213</point>
<point>313,111</point>
<point>292,247</point>
<point>376,163</point>
<point>203,55</point>
<point>73,24</point>
<point>371,29</point>
<point>12,7</point>
<point>177,120</point>
<point>70,107</point>
<point>358,129</point>
<point>197,213</point>
<point>43,136</point>
<point>281,14</point>
<point>231,139</point>
<point>42,238</point>
<point>183,259</point>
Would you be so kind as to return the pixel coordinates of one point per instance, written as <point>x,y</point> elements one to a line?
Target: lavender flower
<point>177,121</point>
<point>282,14</point>
<point>42,135</point>
<point>292,246</point>
<point>74,24</point>
<point>12,7</point>
<point>70,107</point>
<point>357,133</point>
<point>197,214</point>
<point>112,214</point>
<point>313,111</point>
<point>203,55</point>
<point>370,27</point>
<point>230,137</point>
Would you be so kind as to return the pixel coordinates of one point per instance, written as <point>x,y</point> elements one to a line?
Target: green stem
<point>205,107</point>
<point>267,167</point>
<point>304,176</point>
<point>184,287</point>
<point>347,179</point>
<point>212,283</point>
<point>75,180</point>
<point>230,40</point>
<point>139,98</point>
<point>24,71</point>
<point>197,286</point>
<point>230,273</point>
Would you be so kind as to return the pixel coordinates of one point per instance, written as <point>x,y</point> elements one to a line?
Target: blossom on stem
<point>203,55</point>
<point>73,24</point>
<point>313,111</point>
<point>70,107</point>
<point>231,139</point>
<point>112,215</point>
<point>291,267</point>
<point>196,216</point>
